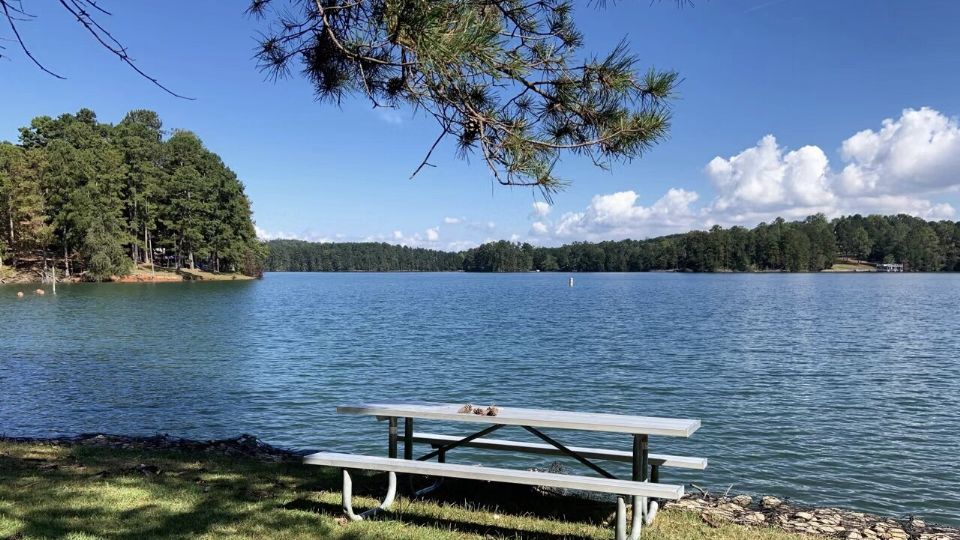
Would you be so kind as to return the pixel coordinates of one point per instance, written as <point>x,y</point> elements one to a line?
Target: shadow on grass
<point>481,529</point>
<point>127,495</point>
<point>503,499</point>
<point>108,497</point>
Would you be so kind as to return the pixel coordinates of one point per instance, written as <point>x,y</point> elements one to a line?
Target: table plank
<point>542,418</point>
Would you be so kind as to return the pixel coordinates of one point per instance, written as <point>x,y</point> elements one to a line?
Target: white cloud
<point>618,215</point>
<point>917,153</point>
<point>540,209</point>
<point>307,235</point>
<point>452,220</point>
<point>398,235</point>
<point>765,177</point>
<point>433,234</point>
<point>461,245</point>
<point>897,169</point>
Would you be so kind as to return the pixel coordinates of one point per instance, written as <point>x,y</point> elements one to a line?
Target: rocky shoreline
<point>714,510</point>
<point>828,522</point>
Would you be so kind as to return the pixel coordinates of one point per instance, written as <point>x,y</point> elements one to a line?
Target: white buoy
<point>571,281</point>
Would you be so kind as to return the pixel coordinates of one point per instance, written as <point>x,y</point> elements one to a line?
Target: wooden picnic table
<point>532,420</point>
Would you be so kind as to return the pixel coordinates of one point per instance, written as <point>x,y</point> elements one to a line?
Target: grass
<point>82,493</point>
<point>145,272</point>
<point>851,267</point>
<point>212,276</point>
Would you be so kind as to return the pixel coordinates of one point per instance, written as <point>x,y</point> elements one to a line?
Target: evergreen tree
<point>76,189</point>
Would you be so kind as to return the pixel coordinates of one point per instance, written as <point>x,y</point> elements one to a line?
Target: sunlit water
<point>829,389</point>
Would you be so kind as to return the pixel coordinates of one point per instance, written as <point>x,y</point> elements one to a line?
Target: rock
<point>754,518</point>
<point>712,519</point>
<point>895,534</point>
<point>807,516</point>
<point>854,535</point>
<point>730,508</point>
<point>917,523</point>
<point>743,500</point>
<point>770,502</point>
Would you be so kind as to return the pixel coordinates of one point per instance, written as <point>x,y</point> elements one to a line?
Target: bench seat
<point>660,460</point>
<point>491,474</point>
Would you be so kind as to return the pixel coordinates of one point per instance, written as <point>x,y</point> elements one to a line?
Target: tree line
<point>300,256</point>
<point>808,245</point>
<point>94,199</point>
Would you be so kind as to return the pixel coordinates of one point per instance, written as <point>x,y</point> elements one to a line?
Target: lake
<point>829,389</point>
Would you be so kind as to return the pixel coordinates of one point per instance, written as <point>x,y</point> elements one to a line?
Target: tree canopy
<point>101,197</point>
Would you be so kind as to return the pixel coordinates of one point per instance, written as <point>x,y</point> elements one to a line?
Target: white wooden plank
<point>514,416</point>
<point>491,474</point>
<point>663,460</point>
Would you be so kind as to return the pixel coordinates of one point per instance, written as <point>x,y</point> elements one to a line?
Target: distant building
<point>890,267</point>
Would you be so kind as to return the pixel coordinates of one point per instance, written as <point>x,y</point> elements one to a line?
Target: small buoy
<point>571,281</point>
<point>19,294</point>
<point>41,292</point>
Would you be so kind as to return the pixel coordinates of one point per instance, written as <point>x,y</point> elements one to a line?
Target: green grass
<point>212,276</point>
<point>850,267</point>
<point>50,491</point>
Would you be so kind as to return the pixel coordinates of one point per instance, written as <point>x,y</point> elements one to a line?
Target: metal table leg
<point>408,438</point>
<point>392,437</point>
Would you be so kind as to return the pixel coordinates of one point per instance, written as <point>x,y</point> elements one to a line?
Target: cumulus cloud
<point>540,209</point>
<point>433,234</point>
<point>896,169</point>
<point>766,178</point>
<point>461,245</point>
<point>916,153</point>
<point>893,170</point>
<point>618,215</point>
<point>452,220</point>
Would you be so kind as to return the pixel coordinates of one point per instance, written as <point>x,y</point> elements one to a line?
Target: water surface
<point>829,389</point>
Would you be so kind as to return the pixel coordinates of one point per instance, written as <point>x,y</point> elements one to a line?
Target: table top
<point>538,418</point>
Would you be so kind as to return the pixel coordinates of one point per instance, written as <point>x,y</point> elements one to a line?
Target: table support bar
<point>569,452</point>
<point>447,447</point>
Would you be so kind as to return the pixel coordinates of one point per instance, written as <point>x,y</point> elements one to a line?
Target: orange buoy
<point>41,292</point>
<point>19,294</point>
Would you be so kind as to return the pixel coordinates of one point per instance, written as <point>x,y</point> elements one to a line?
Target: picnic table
<point>531,420</point>
<point>642,485</point>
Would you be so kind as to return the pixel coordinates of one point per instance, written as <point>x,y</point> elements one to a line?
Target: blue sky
<point>781,112</point>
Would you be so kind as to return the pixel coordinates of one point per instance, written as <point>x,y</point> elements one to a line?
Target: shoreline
<point>741,509</point>
<point>138,275</point>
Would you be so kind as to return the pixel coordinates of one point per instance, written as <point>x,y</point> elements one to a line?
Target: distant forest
<point>810,245</point>
<point>300,256</point>
<point>94,199</point>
